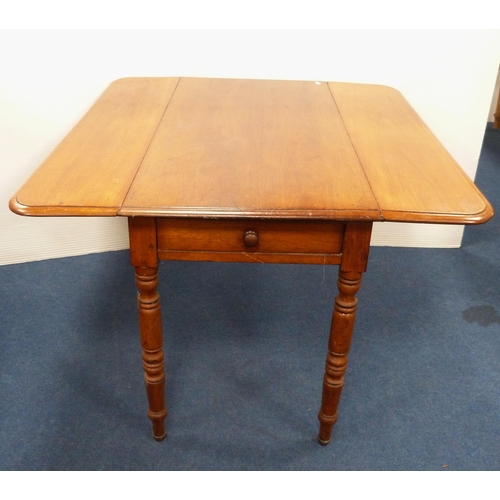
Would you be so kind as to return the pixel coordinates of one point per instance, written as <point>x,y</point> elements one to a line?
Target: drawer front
<point>249,236</point>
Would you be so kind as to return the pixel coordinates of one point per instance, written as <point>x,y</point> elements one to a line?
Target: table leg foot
<point>323,443</point>
<point>325,427</point>
<point>158,420</point>
<point>159,433</point>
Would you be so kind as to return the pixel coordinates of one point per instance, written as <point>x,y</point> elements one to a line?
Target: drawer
<point>249,236</point>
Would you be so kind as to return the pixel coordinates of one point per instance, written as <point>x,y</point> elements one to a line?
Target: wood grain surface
<point>198,147</point>
<point>413,177</point>
<point>91,170</point>
<point>254,148</point>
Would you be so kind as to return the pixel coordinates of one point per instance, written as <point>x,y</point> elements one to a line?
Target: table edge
<point>60,211</point>
<point>231,213</point>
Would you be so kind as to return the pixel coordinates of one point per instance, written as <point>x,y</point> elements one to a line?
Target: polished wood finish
<point>143,256</point>
<point>344,314</point>
<point>151,340</point>
<point>314,242</point>
<point>354,262</point>
<point>250,238</point>
<point>413,177</point>
<point>233,148</point>
<point>251,171</point>
<point>91,170</point>
<point>252,148</point>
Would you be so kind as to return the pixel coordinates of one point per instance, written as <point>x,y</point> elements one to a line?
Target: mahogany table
<point>251,171</point>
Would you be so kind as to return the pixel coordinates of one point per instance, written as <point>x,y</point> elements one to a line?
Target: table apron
<point>293,242</point>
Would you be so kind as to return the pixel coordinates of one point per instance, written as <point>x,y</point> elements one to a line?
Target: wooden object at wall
<point>496,123</point>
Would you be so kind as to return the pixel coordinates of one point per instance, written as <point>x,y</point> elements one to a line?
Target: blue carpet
<point>245,348</point>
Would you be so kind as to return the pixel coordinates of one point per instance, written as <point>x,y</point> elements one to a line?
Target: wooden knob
<point>250,238</point>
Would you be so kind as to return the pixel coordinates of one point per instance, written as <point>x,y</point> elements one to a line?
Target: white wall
<point>48,79</point>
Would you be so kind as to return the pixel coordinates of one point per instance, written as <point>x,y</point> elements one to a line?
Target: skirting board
<point>416,235</point>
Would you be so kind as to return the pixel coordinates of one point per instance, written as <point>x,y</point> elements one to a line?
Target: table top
<point>202,147</point>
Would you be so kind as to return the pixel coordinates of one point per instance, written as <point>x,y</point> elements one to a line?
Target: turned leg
<point>344,314</point>
<point>355,251</point>
<point>144,258</point>
<point>151,339</point>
